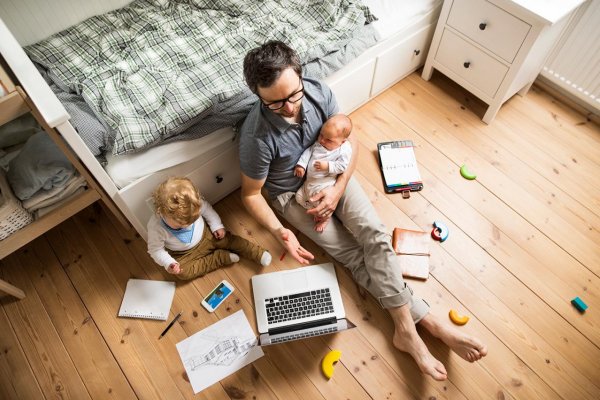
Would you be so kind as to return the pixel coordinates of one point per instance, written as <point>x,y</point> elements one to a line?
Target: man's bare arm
<point>258,207</point>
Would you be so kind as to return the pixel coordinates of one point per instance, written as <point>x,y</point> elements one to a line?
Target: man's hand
<point>299,171</point>
<point>219,233</point>
<point>328,199</point>
<point>291,244</point>
<point>321,165</point>
<point>174,268</point>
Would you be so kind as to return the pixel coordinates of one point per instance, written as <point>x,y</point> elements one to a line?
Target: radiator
<point>574,64</point>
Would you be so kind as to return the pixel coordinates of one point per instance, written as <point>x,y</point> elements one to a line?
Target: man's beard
<point>291,114</point>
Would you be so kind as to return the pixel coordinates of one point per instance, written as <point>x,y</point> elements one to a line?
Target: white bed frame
<point>216,171</point>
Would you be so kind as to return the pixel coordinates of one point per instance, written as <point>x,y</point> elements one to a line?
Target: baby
<point>186,235</point>
<point>328,157</point>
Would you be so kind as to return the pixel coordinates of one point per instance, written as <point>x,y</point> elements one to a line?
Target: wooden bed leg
<point>12,290</point>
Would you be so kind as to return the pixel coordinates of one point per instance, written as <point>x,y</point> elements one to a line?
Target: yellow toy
<point>329,361</point>
<point>458,319</point>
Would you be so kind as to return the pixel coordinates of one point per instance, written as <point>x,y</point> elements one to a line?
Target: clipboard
<point>398,166</point>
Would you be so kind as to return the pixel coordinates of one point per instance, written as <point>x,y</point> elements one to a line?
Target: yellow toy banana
<point>458,319</point>
<point>329,361</point>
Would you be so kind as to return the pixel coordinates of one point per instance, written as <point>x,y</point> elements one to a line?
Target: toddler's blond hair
<point>178,198</point>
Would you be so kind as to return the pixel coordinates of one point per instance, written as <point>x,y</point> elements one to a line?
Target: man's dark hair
<point>263,65</point>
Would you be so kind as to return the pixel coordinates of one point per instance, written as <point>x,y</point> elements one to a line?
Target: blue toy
<point>440,231</point>
<point>579,304</point>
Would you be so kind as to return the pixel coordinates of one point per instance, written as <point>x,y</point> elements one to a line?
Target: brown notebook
<point>412,248</point>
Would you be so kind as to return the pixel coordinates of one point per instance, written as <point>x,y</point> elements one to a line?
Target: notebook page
<point>147,299</point>
<point>399,165</point>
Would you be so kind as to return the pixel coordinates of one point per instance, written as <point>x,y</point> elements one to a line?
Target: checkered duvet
<point>155,67</point>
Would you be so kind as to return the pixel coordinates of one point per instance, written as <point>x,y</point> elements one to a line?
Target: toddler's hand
<point>219,233</point>
<point>299,171</point>
<point>174,268</point>
<point>322,165</point>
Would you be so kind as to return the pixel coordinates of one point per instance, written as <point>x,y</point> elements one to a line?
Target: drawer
<point>470,63</point>
<point>493,28</point>
<point>352,85</point>
<point>396,62</point>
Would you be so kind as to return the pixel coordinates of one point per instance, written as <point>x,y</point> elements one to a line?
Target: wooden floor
<point>524,240</point>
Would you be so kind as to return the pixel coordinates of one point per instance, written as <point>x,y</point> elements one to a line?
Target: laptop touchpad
<point>295,281</point>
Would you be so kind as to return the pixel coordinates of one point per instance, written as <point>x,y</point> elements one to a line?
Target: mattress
<point>393,16</point>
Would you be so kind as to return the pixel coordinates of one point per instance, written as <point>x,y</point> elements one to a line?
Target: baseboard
<point>565,97</point>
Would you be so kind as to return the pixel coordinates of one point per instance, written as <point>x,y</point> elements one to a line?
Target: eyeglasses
<point>292,98</point>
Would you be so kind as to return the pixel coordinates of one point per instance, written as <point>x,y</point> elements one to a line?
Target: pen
<point>170,324</point>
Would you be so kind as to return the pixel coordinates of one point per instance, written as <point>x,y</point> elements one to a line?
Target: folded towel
<point>39,165</point>
<point>45,210</point>
<point>45,198</point>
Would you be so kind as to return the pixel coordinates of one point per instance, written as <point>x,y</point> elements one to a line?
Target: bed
<point>394,45</point>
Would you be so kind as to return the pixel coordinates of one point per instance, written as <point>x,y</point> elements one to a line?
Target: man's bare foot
<point>407,339</point>
<point>411,343</point>
<point>468,347</point>
<point>320,225</point>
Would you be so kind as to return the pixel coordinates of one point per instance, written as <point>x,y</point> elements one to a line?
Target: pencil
<point>170,324</point>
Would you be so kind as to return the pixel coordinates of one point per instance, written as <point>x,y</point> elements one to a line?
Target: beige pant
<point>211,253</point>
<point>357,239</point>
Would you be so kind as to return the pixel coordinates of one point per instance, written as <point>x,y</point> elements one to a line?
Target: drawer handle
<point>467,64</point>
<point>482,26</point>
<point>417,52</point>
<point>219,179</point>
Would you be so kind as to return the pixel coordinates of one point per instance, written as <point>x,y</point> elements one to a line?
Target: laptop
<point>299,303</point>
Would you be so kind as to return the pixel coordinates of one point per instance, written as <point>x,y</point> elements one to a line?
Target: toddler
<point>322,162</point>
<point>186,235</point>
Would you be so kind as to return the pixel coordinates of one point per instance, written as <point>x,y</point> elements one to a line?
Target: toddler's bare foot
<point>265,259</point>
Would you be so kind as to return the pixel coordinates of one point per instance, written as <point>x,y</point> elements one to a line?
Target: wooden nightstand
<point>496,48</point>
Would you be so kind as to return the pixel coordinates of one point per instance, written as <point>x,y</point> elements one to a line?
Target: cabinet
<point>14,103</point>
<point>496,48</point>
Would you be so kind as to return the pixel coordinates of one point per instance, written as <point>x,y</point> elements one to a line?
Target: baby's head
<point>178,202</point>
<point>335,131</point>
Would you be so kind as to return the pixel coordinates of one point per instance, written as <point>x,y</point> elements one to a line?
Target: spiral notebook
<point>399,166</point>
<point>147,299</point>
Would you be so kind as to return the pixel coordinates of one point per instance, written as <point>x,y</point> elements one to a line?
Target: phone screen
<point>217,296</point>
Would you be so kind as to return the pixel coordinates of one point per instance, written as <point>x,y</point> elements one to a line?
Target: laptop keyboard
<point>299,305</point>
<point>316,332</point>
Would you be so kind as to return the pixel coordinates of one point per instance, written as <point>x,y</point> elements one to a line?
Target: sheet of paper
<point>219,350</point>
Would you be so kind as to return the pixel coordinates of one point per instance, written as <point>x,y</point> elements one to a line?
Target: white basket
<point>12,215</point>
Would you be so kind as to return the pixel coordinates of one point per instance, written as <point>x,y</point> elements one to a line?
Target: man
<point>281,125</point>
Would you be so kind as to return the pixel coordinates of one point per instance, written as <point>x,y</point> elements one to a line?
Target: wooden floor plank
<point>455,144</point>
<point>518,198</point>
<point>55,372</point>
<point>438,290</point>
<point>96,366</point>
<point>17,379</point>
<point>386,133</point>
<point>492,224</point>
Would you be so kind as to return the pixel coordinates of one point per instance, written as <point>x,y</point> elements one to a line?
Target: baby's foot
<point>234,257</point>
<point>265,259</point>
<point>320,226</point>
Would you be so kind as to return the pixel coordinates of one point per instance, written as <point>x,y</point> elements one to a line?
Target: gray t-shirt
<point>270,146</point>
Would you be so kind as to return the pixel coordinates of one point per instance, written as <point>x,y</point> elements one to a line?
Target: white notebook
<point>147,299</point>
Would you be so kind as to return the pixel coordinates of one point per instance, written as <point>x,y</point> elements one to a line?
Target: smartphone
<point>217,296</point>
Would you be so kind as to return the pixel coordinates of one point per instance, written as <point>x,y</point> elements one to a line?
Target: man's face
<point>287,88</point>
